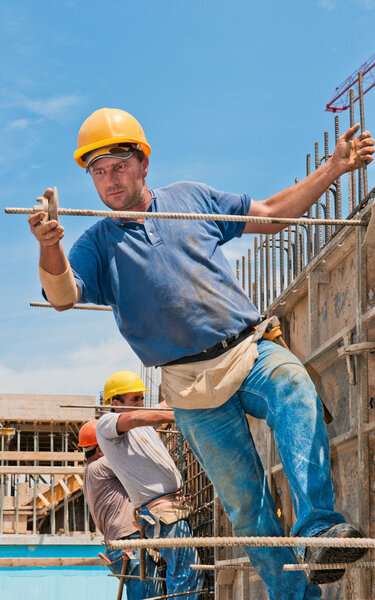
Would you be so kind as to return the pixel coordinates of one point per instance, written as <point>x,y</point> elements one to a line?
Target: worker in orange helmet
<point>112,511</point>
<point>142,463</point>
<point>179,305</point>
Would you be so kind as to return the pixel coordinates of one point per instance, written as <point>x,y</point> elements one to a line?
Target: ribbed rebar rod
<point>328,229</point>
<point>362,121</point>
<point>352,182</point>
<point>76,306</point>
<point>119,214</point>
<point>108,406</point>
<point>328,566</point>
<point>255,541</point>
<point>338,200</point>
<point>221,567</point>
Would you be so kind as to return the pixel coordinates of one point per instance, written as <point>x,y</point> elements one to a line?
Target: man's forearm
<point>52,259</point>
<point>138,418</point>
<point>297,199</point>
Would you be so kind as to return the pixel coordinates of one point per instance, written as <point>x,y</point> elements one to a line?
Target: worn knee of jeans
<point>293,388</point>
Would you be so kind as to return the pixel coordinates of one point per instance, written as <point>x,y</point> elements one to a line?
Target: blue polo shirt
<point>172,291</point>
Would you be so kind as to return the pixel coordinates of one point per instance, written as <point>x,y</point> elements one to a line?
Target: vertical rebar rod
<point>328,228</point>
<point>66,505</point>
<point>310,215</point>
<point>237,269</point>
<point>289,262</point>
<point>52,481</point>
<point>35,478</point>
<point>261,274</point>
<point>268,274</point>
<point>338,200</point>
<point>16,480</point>
<point>86,516</point>
<point>256,279</point>
<point>302,246</point>
<point>243,273</point>
<point>363,127</point>
<point>249,274</point>
<point>352,185</point>
<point>2,490</point>
<point>281,260</point>
<point>274,268</point>
<point>318,228</point>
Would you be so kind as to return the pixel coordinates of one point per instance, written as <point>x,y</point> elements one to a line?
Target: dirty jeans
<point>180,578</point>
<point>279,390</point>
<point>135,588</point>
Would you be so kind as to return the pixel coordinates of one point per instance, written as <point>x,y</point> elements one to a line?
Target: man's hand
<point>351,154</point>
<point>49,233</point>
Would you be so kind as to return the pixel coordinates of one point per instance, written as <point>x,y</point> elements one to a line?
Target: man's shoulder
<point>180,187</point>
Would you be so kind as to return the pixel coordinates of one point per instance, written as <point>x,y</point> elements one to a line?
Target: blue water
<point>56,583</point>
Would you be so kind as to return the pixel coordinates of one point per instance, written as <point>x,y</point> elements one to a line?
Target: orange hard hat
<point>87,434</point>
<point>106,127</point>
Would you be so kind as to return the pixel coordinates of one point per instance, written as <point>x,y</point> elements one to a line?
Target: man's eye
<point>120,167</point>
<point>98,173</point>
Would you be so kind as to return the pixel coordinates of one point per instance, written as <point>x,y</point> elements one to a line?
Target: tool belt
<point>164,509</point>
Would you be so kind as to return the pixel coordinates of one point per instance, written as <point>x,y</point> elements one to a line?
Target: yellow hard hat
<point>122,382</point>
<point>108,126</point>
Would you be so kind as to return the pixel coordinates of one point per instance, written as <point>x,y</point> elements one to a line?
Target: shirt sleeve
<point>106,427</point>
<point>229,204</point>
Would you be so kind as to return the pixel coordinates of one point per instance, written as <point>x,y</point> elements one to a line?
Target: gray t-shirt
<point>139,459</point>
<point>108,502</point>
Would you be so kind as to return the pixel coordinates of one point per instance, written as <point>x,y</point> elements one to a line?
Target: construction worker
<point>141,462</point>
<point>178,304</point>
<point>112,511</point>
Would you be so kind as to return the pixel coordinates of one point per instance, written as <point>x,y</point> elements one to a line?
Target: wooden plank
<point>39,470</point>
<point>45,407</point>
<point>51,562</point>
<point>43,456</point>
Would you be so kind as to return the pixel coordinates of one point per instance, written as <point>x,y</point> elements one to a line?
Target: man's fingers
<point>34,219</point>
<point>347,136</point>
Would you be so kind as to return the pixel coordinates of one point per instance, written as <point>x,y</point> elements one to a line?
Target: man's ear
<point>145,163</point>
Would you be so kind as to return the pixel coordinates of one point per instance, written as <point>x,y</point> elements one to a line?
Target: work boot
<point>317,555</point>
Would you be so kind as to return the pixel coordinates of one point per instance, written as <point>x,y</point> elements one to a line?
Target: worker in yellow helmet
<point>112,511</point>
<point>179,305</point>
<point>142,464</point>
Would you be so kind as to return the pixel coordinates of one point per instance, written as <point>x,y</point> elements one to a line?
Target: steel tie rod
<point>119,214</point>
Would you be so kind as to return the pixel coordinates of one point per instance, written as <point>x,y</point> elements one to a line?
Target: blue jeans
<point>180,577</point>
<point>279,390</point>
<point>135,588</point>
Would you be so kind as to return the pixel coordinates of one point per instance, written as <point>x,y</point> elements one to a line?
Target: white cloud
<point>56,108</point>
<point>20,124</point>
<point>327,4</point>
<point>367,4</point>
<point>82,371</point>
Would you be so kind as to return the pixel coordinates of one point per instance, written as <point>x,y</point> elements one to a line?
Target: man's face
<point>120,183</point>
<point>131,399</point>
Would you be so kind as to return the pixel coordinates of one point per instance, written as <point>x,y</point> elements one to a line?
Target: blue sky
<point>231,94</point>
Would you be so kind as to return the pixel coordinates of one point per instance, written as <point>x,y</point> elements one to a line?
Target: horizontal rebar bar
<point>246,541</point>
<point>76,306</point>
<point>136,577</point>
<point>108,406</point>
<point>328,566</point>
<point>222,567</point>
<point>120,214</point>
